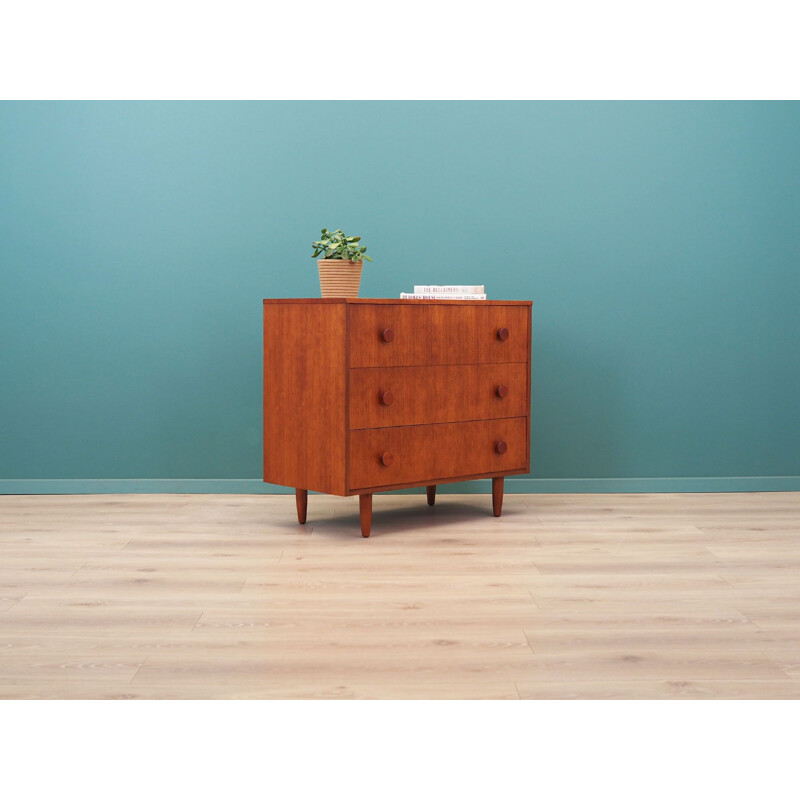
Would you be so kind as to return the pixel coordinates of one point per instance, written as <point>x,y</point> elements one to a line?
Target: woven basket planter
<point>338,278</point>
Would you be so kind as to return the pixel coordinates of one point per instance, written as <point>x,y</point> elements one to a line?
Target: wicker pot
<point>339,278</point>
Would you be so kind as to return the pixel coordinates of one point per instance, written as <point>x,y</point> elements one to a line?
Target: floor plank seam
<point>138,670</point>
<point>725,580</point>
<point>533,652</point>
<point>751,621</point>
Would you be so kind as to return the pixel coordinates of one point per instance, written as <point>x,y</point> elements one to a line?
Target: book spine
<point>432,289</point>
<point>454,296</point>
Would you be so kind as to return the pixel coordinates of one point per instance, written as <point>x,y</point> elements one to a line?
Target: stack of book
<point>445,293</point>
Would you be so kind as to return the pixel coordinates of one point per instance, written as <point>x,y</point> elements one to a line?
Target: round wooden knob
<point>502,334</point>
<point>501,391</point>
<point>388,335</point>
<point>387,398</point>
<point>387,459</point>
<point>500,447</point>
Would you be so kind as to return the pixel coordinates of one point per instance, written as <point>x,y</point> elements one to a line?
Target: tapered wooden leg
<point>431,494</point>
<point>301,499</point>
<point>365,509</point>
<point>497,496</point>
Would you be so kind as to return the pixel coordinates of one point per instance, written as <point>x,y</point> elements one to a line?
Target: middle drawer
<point>383,397</point>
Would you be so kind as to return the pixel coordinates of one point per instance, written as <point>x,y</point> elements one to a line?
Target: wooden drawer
<point>430,453</point>
<point>436,334</point>
<point>391,396</point>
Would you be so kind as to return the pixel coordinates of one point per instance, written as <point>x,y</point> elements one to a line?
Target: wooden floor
<point>564,596</point>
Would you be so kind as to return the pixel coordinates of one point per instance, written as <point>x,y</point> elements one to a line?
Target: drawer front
<point>391,396</point>
<point>437,334</point>
<point>436,452</point>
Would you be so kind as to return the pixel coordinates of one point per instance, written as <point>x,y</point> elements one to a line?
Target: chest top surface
<point>392,301</point>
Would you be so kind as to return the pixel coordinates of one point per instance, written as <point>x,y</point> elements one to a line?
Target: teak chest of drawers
<point>364,396</point>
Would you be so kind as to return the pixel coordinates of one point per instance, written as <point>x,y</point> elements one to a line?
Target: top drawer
<point>406,335</point>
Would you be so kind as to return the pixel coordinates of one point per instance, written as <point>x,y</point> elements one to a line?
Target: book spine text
<point>432,289</point>
<point>453,296</point>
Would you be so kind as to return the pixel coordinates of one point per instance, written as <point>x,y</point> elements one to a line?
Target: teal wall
<point>659,242</point>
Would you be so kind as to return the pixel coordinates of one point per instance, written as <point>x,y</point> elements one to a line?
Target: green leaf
<point>335,245</point>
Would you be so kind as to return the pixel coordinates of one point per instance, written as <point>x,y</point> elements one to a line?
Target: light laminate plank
<point>660,690</point>
<point>649,596</point>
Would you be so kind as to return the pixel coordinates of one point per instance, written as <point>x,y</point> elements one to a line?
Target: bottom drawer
<point>417,453</point>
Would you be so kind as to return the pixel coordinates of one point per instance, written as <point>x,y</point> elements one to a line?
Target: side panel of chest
<point>305,395</point>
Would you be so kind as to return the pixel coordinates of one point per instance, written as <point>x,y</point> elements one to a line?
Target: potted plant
<point>341,262</point>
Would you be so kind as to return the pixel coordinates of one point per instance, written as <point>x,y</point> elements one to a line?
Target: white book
<point>453,296</point>
<point>434,289</point>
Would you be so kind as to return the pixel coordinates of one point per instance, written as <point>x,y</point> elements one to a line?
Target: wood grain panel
<point>436,394</point>
<point>305,395</point>
<point>436,333</point>
<point>441,602</point>
<point>435,452</point>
